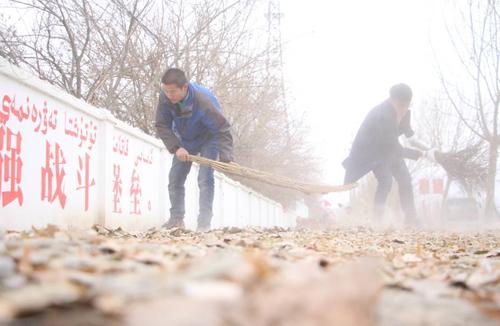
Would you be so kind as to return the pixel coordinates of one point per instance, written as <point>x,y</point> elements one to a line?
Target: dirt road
<point>348,276</point>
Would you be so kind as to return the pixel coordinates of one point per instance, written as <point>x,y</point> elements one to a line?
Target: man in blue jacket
<point>376,148</point>
<point>189,120</point>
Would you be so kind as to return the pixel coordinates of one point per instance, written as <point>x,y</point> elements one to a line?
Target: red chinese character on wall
<point>424,186</point>
<point>135,191</point>
<point>438,186</point>
<point>84,180</point>
<point>53,175</point>
<point>117,189</point>
<point>11,166</point>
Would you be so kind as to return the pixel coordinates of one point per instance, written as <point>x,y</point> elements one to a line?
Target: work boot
<point>378,212</point>
<point>202,228</point>
<point>174,222</point>
<point>412,223</point>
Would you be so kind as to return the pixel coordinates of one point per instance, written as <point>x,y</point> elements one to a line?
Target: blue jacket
<point>194,122</point>
<point>377,142</point>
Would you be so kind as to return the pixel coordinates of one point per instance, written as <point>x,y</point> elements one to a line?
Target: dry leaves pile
<point>244,277</point>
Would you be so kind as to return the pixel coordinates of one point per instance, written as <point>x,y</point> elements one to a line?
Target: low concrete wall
<point>65,162</point>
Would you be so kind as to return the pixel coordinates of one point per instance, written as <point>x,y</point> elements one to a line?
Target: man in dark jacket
<point>376,148</point>
<point>189,120</point>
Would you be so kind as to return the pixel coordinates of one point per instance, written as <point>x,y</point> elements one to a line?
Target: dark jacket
<point>193,123</point>
<point>377,142</point>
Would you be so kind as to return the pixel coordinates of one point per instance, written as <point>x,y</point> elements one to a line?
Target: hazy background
<point>341,57</point>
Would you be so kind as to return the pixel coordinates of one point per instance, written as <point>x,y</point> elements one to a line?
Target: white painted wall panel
<point>65,162</point>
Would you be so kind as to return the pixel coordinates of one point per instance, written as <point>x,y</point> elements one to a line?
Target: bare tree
<point>112,54</point>
<point>461,154</point>
<point>475,94</point>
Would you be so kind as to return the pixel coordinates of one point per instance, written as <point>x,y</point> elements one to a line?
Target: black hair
<point>401,92</point>
<point>174,76</point>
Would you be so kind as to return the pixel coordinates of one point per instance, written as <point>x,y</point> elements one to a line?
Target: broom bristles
<point>269,178</point>
<point>465,165</point>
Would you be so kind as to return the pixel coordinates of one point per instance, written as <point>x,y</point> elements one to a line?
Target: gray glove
<point>430,155</point>
<point>415,142</point>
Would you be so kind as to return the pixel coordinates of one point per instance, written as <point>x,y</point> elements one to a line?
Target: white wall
<point>65,162</point>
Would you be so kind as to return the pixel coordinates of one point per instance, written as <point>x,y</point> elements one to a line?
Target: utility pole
<point>274,58</point>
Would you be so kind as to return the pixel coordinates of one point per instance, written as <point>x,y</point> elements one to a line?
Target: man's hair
<point>174,76</point>
<point>401,92</point>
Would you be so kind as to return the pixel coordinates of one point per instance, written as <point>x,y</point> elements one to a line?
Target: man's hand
<point>182,154</point>
<point>416,143</point>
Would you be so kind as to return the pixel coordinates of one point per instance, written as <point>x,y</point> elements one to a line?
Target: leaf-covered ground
<point>345,276</point>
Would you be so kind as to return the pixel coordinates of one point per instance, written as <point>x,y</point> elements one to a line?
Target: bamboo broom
<point>269,178</point>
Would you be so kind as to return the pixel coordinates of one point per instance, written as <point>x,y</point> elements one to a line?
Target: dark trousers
<point>385,173</point>
<point>176,189</point>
